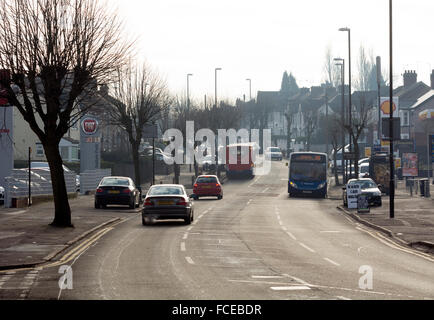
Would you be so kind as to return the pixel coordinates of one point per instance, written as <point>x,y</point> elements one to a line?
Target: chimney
<point>432,79</point>
<point>410,78</point>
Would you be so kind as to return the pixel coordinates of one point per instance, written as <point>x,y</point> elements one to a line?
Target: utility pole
<point>29,202</point>
<point>392,164</point>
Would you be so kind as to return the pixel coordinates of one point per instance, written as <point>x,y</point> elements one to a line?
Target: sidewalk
<point>413,223</point>
<point>27,239</point>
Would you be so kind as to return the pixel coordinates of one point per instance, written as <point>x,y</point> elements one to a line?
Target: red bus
<point>243,159</point>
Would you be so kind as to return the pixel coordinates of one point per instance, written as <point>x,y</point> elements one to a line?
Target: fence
<point>90,179</point>
<point>17,185</point>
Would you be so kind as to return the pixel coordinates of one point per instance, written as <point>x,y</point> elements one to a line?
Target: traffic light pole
<point>392,164</point>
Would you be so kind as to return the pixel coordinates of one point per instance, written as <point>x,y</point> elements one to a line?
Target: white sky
<point>261,39</point>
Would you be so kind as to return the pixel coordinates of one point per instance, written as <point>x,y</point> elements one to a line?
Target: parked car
<point>364,170</point>
<point>368,187</point>
<point>2,195</point>
<point>167,201</point>
<point>117,190</point>
<point>273,153</point>
<point>207,186</point>
<point>364,160</point>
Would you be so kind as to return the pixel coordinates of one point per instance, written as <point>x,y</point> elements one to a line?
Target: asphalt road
<point>256,243</point>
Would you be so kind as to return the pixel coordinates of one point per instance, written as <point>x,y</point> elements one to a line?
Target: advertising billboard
<point>409,165</point>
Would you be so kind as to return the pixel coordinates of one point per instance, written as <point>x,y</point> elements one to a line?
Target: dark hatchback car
<point>368,187</point>
<point>167,202</point>
<point>117,190</point>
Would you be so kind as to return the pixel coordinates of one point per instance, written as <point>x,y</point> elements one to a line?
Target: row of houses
<point>305,110</point>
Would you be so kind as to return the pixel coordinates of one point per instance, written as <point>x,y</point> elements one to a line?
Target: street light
<point>342,65</point>
<point>349,87</point>
<point>216,144</point>
<point>391,162</point>
<point>188,93</point>
<point>250,88</point>
<point>188,110</point>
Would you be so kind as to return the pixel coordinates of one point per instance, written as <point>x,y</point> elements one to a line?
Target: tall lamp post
<point>349,86</point>
<point>250,89</point>
<point>216,144</point>
<point>392,165</point>
<point>342,65</point>
<point>188,110</point>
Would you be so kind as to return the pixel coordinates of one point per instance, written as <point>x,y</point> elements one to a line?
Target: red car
<point>207,186</point>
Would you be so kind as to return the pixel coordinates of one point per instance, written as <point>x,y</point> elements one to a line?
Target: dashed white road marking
<point>332,262</point>
<point>290,288</point>
<point>306,247</point>
<point>189,228</point>
<point>284,228</point>
<point>185,236</point>
<point>265,190</point>
<point>267,277</point>
<point>189,260</point>
<point>182,246</point>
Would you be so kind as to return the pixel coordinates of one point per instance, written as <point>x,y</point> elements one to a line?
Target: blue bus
<point>307,174</point>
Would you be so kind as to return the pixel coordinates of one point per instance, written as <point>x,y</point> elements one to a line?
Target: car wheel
<point>104,206</point>
<point>132,204</point>
<point>188,220</point>
<point>219,197</point>
<point>144,221</point>
<point>97,205</point>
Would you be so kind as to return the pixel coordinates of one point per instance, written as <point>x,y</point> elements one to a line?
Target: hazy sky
<point>261,39</point>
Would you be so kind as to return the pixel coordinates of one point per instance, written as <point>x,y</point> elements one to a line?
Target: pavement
<point>28,240</point>
<point>413,223</point>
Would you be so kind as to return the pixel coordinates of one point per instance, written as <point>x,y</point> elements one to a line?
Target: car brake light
<point>126,191</point>
<point>181,203</point>
<point>99,190</point>
<point>217,185</point>
<point>195,185</point>
<point>148,202</point>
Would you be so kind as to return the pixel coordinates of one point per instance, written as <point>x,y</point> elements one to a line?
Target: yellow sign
<point>397,163</point>
<point>385,143</point>
<point>368,152</point>
<point>385,107</point>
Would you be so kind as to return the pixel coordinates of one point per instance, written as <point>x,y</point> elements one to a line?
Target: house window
<point>39,150</point>
<point>404,118</point>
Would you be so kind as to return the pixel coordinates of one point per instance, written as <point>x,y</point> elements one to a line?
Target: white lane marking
<point>265,190</point>
<point>297,279</point>
<point>332,262</point>
<point>306,247</point>
<point>267,277</point>
<point>189,228</point>
<point>284,228</point>
<point>280,222</point>
<point>342,298</point>
<point>290,288</point>
<point>182,246</point>
<point>185,236</point>
<point>291,235</point>
<point>189,260</point>
<point>200,216</point>
<point>327,231</point>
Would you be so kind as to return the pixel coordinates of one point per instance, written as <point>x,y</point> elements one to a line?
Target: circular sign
<point>385,107</point>
<point>89,126</point>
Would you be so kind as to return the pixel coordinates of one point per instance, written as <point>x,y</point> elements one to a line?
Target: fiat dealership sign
<point>89,126</point>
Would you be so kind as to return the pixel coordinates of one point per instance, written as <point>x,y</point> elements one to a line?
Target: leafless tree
<point>310,118</point>
<point>140,98</point>
<point>54,50</point>
<point>335,133</point>
<point>331,73</point>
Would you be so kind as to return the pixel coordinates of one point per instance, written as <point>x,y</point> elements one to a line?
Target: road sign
<point>349,156</point>
<point>150,131</point>
<point>353,191</point>
<point>396,129</point>
<point>368,152</point>
<point>385,107</point>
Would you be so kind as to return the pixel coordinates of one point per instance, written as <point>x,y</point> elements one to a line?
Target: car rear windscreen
<point>115,182</point>
<point>163,190</point>
<point>206,180</point>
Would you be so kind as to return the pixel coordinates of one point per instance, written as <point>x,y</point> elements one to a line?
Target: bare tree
<point>335,133</point>
<point>54,49</point>
<point>140,98</point>
<point>331,73</point>
<point>310,118</point>
<point>360,121</point>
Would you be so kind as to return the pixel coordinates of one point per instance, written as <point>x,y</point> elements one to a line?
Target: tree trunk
<point>136,162</point>
<point>335,151</point>
<point>356,162</point>
<point>62,210</point>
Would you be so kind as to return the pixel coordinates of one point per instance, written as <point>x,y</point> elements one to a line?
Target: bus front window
<point>307,171</point>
